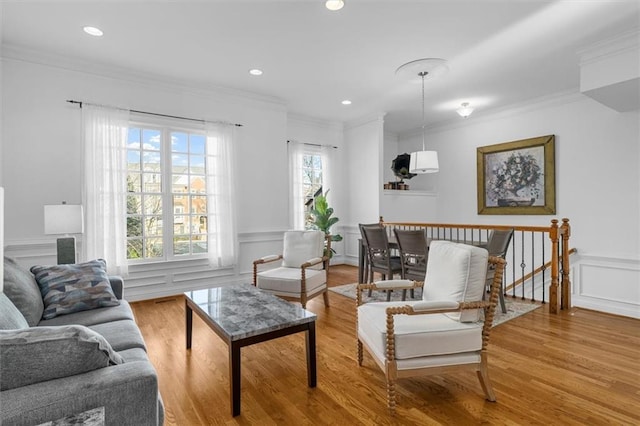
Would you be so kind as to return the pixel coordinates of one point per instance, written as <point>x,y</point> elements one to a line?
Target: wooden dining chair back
<point>412,245</point>
<point>379,254</point>
<point>497,245</point>
<point>367,273</point>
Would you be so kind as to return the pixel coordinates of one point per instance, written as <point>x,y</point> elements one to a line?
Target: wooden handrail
<point>531,274</point>
<point>467,226</point>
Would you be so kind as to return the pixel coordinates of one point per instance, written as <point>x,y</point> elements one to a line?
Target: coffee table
<point>243,315</point>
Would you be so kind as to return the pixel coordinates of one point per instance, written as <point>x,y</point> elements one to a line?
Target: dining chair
<point>303,272</point>
<point>379,254</point>
<point>444,332</point>
<point>497,245</point>
<point>366,266</point>
<point>412,245</point>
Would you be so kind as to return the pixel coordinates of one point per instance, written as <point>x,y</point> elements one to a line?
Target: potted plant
<point>323,221</point>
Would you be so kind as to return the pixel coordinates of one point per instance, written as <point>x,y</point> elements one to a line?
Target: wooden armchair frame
<point>389,367</point>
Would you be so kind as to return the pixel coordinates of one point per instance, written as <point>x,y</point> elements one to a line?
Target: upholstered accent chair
<point>303,271</point>
<point>444,332</point>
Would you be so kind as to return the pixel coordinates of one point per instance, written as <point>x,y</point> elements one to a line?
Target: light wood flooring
<point>577,368</point>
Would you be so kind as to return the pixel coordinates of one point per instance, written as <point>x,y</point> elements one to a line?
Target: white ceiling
<point>499,52</point>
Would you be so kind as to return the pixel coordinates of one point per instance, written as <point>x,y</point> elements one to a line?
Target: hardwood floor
<point>577,368</point>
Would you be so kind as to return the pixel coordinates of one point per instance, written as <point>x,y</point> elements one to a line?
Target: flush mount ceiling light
<point>255,71</point>
<point>346,102</point>
<point>96,32</point>
<point>428,68</point>
<point>465,110</point>
<point>334,4</point>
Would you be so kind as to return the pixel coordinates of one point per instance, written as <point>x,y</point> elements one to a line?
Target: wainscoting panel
<point>162,279</point>
<point>608,285</point>
<point>351,244</point>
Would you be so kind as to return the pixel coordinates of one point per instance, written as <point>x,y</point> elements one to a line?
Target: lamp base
<point>66,250</point>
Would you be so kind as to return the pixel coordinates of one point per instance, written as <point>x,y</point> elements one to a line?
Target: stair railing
<point>537,260</point>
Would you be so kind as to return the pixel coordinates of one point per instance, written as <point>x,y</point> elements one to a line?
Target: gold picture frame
<point>517,177</point>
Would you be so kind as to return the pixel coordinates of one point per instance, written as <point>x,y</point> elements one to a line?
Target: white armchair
<point>440,333</point>
<point>303,273</point>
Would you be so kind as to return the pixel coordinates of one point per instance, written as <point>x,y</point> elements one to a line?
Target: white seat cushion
<point>287,281</point>
<point>456,272</point>
<point>416,335</point>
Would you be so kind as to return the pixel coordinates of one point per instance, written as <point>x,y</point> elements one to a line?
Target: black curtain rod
<point>163,115</point>
<point>314,144</point>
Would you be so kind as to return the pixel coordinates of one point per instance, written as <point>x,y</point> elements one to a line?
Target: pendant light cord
<point>422,74</point>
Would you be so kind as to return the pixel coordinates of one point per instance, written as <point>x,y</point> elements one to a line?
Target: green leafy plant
<point>322,218</point>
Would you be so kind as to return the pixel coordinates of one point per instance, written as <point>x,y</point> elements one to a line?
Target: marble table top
<point>243,311</point>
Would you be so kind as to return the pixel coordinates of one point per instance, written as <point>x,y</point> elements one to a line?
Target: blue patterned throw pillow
<point>73,288</point>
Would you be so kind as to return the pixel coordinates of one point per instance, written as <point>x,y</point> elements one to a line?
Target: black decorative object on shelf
<point>400,167</point>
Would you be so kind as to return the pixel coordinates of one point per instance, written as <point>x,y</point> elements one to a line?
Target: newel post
<point>565,231</point>
<point>554,299</point>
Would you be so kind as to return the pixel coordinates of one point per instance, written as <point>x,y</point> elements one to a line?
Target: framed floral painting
<point>517,177</point>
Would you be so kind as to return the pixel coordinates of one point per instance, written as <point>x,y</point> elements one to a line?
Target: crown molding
<point>316,122</point>
<point>622,43</point>
<point>377,116</point>
<point>560,98</point>
<point>18,53</point>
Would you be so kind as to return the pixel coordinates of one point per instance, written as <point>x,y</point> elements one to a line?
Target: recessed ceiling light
<point>346,102</point>
<point>255,71</point>
<point>334,4</point>
<point>97,32</point>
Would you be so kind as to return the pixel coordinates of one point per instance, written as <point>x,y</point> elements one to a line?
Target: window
<point>311,183</point>
<point>166,193</point>
<point>308,168</point>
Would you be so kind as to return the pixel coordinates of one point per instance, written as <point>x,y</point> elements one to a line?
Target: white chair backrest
<point>301,246</point>
<point>456,272</point>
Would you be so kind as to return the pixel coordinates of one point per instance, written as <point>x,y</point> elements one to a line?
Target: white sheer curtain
<point>326,154</point>
<point>104,190</point>
<point>296,190</point>
<point>221,202</point>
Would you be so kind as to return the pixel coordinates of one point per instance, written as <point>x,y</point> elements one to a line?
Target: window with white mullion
<point>144,194</point>
<point>167,194</point>
<point>189,193</point>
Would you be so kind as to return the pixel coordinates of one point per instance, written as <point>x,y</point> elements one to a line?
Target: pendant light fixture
<point>424,161</point>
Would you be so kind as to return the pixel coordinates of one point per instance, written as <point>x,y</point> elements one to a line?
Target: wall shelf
<point>409,193</point>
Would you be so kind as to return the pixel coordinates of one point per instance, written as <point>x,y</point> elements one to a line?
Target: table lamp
<point>64,219</point>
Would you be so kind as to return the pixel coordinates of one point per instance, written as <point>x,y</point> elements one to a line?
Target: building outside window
<point>311,183</point>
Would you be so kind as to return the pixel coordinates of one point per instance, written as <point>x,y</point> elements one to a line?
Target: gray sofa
<point>92,361</point>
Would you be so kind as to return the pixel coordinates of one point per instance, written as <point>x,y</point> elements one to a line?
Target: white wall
<point>364,141</point>
<point>41,164</point>
<point>1,238</point>
<point>597,187</point>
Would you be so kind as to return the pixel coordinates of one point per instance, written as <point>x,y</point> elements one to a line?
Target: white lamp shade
<point>63,219</point>
<point>424,162</point>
